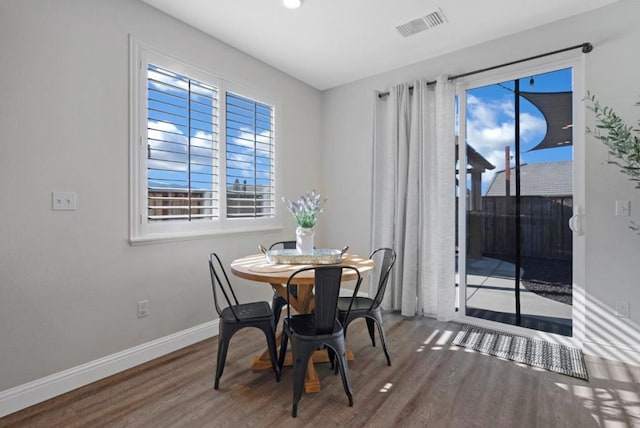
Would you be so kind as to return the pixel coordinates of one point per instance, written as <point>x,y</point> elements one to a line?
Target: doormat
<point>549,356</point>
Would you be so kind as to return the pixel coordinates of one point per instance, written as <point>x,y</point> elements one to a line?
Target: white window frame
<point>141,231</point>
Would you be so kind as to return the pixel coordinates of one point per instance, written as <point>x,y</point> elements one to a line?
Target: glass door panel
<point>519,197</point>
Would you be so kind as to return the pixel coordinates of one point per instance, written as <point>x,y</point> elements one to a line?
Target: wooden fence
<point>166,204</point>
<point>544,227</point>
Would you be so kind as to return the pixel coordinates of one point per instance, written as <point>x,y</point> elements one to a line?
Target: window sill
<point>177,237</point>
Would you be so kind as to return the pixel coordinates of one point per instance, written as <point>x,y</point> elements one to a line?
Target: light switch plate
<point>63,201</point>
<point>623,208</point>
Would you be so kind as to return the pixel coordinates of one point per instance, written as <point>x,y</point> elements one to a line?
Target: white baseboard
<point>615,352</point>
<point>28,394</point>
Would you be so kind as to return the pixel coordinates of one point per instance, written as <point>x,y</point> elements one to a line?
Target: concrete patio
<point>490,287</point>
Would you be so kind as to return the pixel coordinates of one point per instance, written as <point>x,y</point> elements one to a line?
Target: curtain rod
<point>384,94</point>
<point>586,48</point>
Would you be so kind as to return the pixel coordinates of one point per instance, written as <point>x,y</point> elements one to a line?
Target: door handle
<point>576,225</point>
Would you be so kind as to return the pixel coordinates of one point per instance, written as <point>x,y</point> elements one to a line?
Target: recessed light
<point>292,4</point>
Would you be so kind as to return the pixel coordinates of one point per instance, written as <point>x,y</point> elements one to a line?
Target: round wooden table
<point>257,268</point>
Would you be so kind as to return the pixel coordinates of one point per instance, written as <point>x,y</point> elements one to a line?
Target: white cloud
<point>532,127</point>
<point>160,136</point>
<point>202,139</point>
<point>155,77</point>
<point>164,131</point>
<point>491,127</point>
<point>245,137</point>
<point>163,135</point>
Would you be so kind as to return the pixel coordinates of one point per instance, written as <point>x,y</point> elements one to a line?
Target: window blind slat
<point>182,151</point>
<point>250,149</point>
<point>182,130</point>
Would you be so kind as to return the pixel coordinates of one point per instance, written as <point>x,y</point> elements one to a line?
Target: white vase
<point>304,240</point>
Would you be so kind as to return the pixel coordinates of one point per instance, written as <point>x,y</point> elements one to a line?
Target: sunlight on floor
<point>442,340</point>
<point>608,406</point>
<point>386,387</point>
<point>428,341</point>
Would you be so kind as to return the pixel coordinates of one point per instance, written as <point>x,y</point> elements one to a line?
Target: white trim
<point>162,238</point>
<point>28,394</point>
<point>575,61</point>
<point>609,351</point>
<point>579,269</point>
<point>460,277</point>
<point>142,231</point>
<point>520,331</point>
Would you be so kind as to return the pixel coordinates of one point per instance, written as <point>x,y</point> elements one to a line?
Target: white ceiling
<point>327,43</point>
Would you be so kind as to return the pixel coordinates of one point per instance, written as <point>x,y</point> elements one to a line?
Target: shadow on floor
<point>560,326</point>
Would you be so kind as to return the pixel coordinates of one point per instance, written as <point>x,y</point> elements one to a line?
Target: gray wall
<point>69,281</point>
<point>612,249</point>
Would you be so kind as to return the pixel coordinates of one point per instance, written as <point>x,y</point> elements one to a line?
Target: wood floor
<point>429,384</point>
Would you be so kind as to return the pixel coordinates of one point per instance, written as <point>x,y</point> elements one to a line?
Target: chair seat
<point>304,325</point>
<point>247,311</point>
<point>359,304</point>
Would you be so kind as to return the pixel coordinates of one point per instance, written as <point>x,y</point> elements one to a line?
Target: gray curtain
<point>414,195</point>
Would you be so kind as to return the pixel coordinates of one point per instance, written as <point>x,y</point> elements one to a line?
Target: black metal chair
<point>237,316</point>
<point>317,330</point>
<point>351,308</point>
<point>278,302</point>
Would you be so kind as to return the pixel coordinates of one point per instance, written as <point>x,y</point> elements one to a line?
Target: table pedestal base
<point>311,381</point>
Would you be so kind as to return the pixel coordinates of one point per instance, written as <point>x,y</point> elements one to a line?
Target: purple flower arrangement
<point>306,209</point>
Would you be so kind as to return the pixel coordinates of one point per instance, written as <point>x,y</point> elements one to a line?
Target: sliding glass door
<point>516,195</point>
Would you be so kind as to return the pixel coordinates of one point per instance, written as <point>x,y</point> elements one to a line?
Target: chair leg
<point>344,371</point>
<point>383,339</point>
<point>345,325</point>
<point>384,344</point>
<point>283,350</point>
<point>370,327</point>
<point>223,345</point>
<point>301,355</point>
<point>277,303</point>
<point>332,358</point>
<point>271,343</point>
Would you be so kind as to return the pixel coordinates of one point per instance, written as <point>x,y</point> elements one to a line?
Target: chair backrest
<point>286,245</point>
<point>385,258</point>
<point>327,280</point>
<point>220,284</point>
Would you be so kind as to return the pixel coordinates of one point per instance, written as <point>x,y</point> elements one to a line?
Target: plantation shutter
<point>182,147</point>
<point>250,158</point>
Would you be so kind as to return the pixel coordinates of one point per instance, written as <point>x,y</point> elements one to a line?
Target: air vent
<point>420,24</point>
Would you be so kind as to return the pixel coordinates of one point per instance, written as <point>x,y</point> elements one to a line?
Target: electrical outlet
<point>63,201</point>
<point>623,309</point>
<point>143,308</point>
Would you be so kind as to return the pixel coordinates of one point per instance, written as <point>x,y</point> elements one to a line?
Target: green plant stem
<point>622,140</point>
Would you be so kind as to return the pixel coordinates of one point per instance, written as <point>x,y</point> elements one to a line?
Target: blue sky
<point>491,121</point>
<point>490,127</point>
<point>174,119</point>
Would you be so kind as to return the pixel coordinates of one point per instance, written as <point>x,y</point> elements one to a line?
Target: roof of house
<point>475,160</point>
<point>537,179</point>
